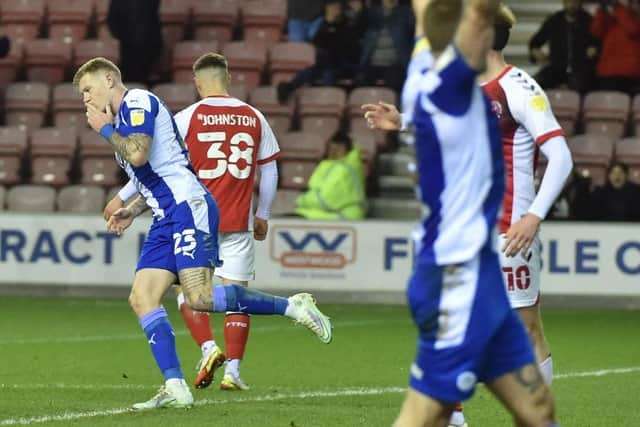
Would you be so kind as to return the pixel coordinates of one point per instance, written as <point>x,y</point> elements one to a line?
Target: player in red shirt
<point>228,141</point>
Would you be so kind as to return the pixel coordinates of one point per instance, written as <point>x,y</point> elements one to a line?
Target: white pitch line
<point>69,416</point>
<point>140,336</point>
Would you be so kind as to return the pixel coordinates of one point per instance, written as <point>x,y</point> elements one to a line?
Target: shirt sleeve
<point>533,111</point>
<point>128,191</point>
<point>268,186</point>
<point>268,149</point>
<point>138,113</point>
<point>183,120</point>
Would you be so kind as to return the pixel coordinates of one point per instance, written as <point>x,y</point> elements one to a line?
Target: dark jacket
<point>568,41</point>
<point>305,10</point>
<point>401,25</point>
<point>612,204</point>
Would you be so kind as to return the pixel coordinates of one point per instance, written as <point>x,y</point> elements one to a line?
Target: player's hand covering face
<point>97,119</point>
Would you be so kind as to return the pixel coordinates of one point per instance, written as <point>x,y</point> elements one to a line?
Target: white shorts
<point>522,274</point>
<point>237,252</point>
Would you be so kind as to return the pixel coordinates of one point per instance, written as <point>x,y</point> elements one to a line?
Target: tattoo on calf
<point>195,282</point>
<point>530,378</point>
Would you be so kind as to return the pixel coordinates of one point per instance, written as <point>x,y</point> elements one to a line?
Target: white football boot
<point>174,394</point>
<point>306,313</point>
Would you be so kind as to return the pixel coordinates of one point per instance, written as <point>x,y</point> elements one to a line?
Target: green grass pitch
<point>82,362</point>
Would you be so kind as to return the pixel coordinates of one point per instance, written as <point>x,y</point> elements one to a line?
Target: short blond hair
<point>211,60</point>
<point>441,19</point>
<point>505,16</point>
<point>94,65</point>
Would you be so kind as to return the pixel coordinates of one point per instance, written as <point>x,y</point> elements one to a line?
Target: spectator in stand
<point>136,24</point>
<point>303,19</point>
<point>336,189</point>
<point>337,43</point>
<point>5,45</point>
<point>618,199</point>
<point>617,25</point>
<point>574,203</point>
<point>572,49</point>
<point>387,44</point>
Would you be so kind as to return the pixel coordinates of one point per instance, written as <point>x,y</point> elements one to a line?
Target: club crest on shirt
<point>136,117</point>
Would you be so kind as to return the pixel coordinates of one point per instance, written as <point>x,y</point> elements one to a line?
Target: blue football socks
<point>162,342</point>
<point>242,299</point>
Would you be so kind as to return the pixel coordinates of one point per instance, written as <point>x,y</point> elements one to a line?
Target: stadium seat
<point>288,58</point>
<point>67,107</point>
<point>369,95</point>
<point>81,199</point>
<point>21,18</point>
<point>321,109</point>
<point>13,144</point>
<point>606,106</point>
<point>279,124</point>
<point>102,11</point>
<point>302,146</point>
<point>294,174</point>
<point>239,91</point>
<point>176,96</point>
<point>263,21</point>
<point>265,99</point>
<point>185,54</point>
<point>3,193</point>
<point>173,17</point>
<point>612,130</point>
<point>69,19</point>
<point>47,60</point>
<point>26,105</point>
<point>565,104</point>
<point>31,198</point>
<point>628,150</point>
<point>636,114</point>
<point>591,155</point>
<point>283,204</point>
<point>11,64</point>
<point>246,62</point>
<point>97,163</point>
<point>85,50</point>
<point>396,209</point>
<point>367,143</point>
<point>52,152</point>
<point>214,19</point>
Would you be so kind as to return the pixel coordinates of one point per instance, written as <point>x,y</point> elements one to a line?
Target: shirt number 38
<point>239,161</point>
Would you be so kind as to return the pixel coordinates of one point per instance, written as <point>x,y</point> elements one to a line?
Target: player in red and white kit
<point>528,126</point>
<point>228,141</point>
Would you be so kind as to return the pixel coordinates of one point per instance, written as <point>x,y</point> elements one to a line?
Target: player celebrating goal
<point>181,244</point>
<point>528,125</point>
<point>228,141</point>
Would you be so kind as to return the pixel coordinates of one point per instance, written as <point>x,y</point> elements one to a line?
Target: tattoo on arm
<point>138,206</point>
<point>129,146</point>
<point>530,378</point>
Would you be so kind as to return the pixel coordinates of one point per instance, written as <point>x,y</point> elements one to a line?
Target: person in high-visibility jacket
<point>336,188</point>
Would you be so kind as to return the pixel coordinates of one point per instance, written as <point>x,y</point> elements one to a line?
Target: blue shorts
<point>468,332</point>
<point>187,238</point>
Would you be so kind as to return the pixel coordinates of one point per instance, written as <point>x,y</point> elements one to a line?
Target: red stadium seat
<point>185,54</point>
<point>263,21</point>
<point>239,91</point>
<point>3,193</point>
<point>176,96</point>
<point>365,139</point>
<point>288,58</point>
<point>67,107</point>
<point>609,107</point>
<point>302,146</point>
<point>628,151</point>
<point>565,104</point>
<point>102,11</point>
<point>636,114</point>
<point>26,105</point>
<point>31,198</point>
<point>69,19</point>
<point>279,124</point>
<point>13,144</point>
<point>612,130</point>
<point>321,109</point>
<point>52,152</point>
<point>11,64</point>
<point>285,202</point>
<point>214,19</point>
<point>47,60</point>
<point>294,174</point>
<point>21,18</point>
<point>97,162</point>
<point>173,16</point>
<point>84,50</point>
<point>81,199</point>
<point>246,62</point>
<point>591,155</point>
<point>265,99</point>
<point>369,95</point>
